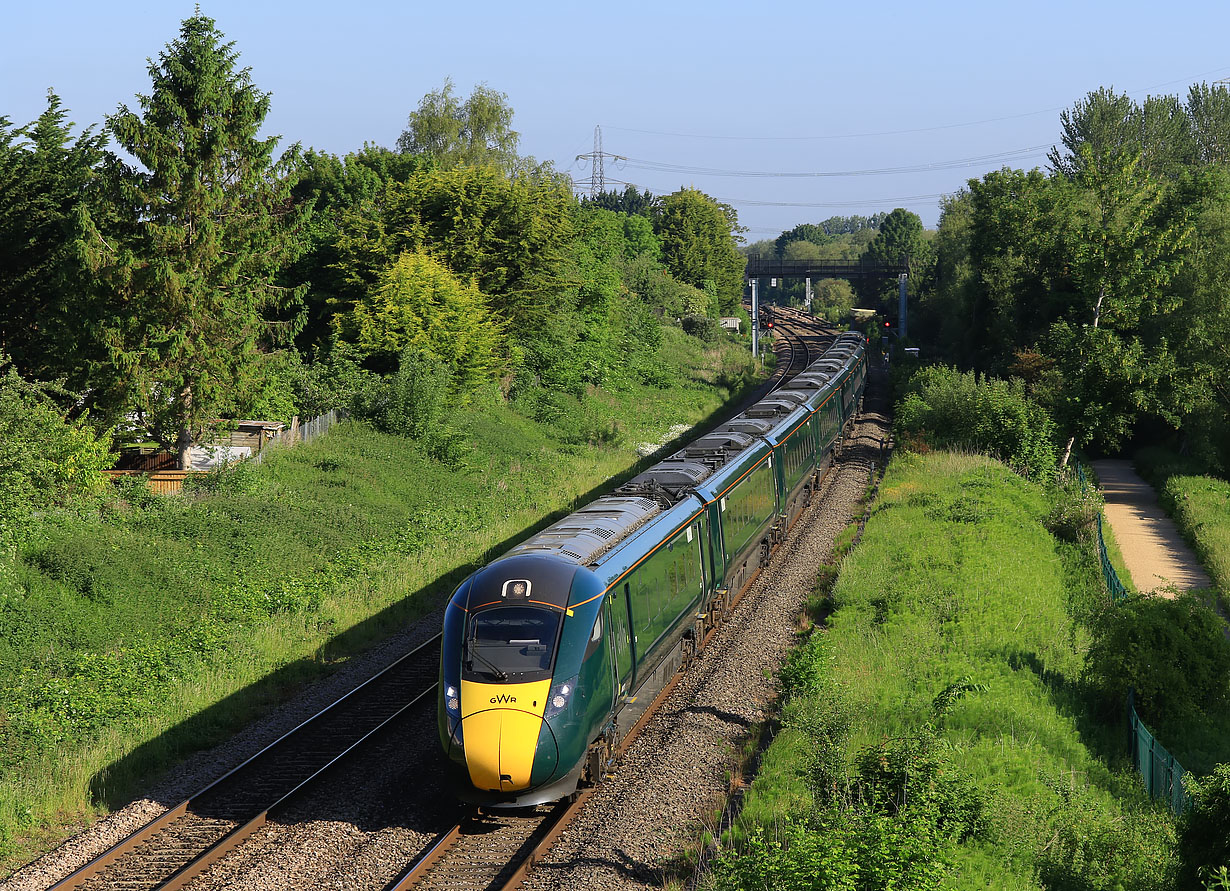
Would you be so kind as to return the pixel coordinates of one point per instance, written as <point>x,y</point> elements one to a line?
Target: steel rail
<point>554,824</point>
<point>240,779</point>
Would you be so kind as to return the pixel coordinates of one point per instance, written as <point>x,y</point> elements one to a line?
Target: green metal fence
<point>1113,585</point>
<point>1163,775</point>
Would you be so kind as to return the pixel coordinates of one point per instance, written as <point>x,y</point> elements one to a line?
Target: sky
<point>870,106</point>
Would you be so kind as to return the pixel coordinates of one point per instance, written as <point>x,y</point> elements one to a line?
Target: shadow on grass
<point>1103,731</point>
<point>119,781</point>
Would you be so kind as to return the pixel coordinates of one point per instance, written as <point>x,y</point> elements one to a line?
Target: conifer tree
<point>205,224</point>
<point>49,202</point>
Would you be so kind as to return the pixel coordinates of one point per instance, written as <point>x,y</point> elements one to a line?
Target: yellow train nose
<point>501,724</point>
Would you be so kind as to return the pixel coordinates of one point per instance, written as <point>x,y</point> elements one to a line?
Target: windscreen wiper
<point>472,653</point>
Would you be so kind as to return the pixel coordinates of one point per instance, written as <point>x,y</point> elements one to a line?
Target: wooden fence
<point>160,482</point>
<point>171,482</point>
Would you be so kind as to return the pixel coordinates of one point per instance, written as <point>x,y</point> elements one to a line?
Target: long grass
<point>957,585</point>
<point>130,640</point>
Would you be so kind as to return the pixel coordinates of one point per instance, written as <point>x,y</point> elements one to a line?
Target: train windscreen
<point>511,643</point>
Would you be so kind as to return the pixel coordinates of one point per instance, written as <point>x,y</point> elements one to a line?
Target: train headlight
<point>451,701</point>
<point>559,698</point>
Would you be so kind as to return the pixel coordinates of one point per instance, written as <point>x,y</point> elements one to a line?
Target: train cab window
<point>511,643</point>
<point>595,637</point>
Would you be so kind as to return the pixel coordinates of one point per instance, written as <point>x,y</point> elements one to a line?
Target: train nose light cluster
<point>560,694</point>
<point>451,702</point>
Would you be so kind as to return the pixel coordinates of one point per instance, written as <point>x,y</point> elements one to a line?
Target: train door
<point>621,638</point>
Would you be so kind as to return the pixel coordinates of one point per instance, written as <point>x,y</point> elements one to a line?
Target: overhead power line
<point>952,164</point>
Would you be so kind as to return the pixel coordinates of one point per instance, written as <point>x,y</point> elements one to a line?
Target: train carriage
<point>552,652</point>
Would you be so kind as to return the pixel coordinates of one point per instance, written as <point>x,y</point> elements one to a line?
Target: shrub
<point>701,327</point>
<point>1173,652</point>
<point>1074,510</point>
<point>47,462</point>
<point>417,397</point>
<point>1204,833</point>
<point>949,409</point>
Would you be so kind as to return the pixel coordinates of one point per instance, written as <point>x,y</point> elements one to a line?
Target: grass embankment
<point>1199,503</point>
<point>936,733</point>
<point>134,638</point>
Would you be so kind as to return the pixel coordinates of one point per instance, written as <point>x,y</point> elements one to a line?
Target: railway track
<point>180,844</point>
<point>480,851</point>
<point>803,340</point>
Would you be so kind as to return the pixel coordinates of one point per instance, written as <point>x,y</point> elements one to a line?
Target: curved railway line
<point>479,851</point>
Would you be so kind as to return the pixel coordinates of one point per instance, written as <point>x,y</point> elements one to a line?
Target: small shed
<point>252,435</point>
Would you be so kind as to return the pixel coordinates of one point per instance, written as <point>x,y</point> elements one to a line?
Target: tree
<point>833,299</point>
<point>698,245</point>
<point>1112,124</point>
<point>334,190</point>
<point>49,205</point>
<point>901,235</point>
<point>1200,328</point>
<point>419,305</point>
<point>1122,242</point>
<point>1208,109</point>
<point>853,224</point>
<point>451,132</point>
<point>805,232</point>
<point>205,224</point>
<point>629,201</point>
<point>509,235</point>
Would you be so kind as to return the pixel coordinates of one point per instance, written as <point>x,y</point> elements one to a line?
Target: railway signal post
<point>755,322</point>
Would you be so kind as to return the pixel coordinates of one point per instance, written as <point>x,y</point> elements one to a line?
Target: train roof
<point>587,534</point>
<point>704,465</point>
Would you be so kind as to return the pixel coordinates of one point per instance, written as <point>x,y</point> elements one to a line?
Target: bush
<point>1204,833</point>
<point>47,462</point>
<point>948,409</point>
<point>703,328</point>
<point>1173,652</point>
<point>1074,510</point>
<point>337,381</point>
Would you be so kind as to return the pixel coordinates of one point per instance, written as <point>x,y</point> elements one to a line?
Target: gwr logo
<point>503,697</point>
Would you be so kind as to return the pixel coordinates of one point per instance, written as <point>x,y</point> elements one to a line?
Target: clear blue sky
<point>670,83</point>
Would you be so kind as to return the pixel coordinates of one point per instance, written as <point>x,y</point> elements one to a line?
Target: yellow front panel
<point>501,723</point>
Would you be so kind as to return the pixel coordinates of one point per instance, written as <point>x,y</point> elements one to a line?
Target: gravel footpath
<point>670,781</point>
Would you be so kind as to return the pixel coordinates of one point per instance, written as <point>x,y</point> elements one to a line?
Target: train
<point>552,652</point>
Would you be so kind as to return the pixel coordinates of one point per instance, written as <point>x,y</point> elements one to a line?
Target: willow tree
<point>206,223</point>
